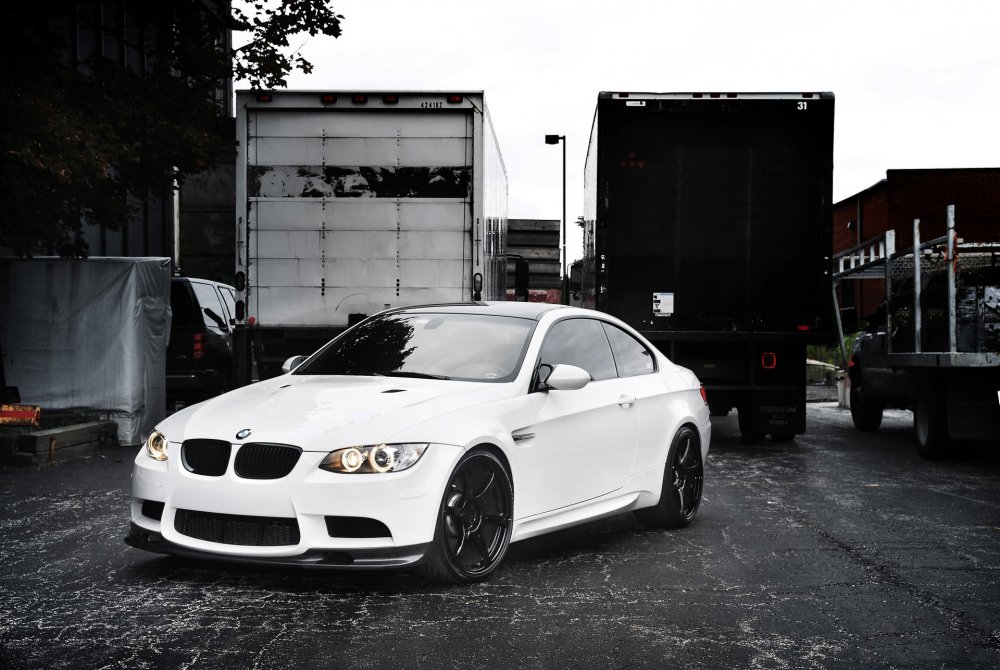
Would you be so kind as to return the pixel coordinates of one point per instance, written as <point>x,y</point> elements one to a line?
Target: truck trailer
<point>352,202</point>
<point>709,227</point>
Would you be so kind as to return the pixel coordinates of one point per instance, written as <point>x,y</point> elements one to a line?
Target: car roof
<point>524,310</point>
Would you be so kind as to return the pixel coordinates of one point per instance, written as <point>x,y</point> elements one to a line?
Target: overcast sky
<point>917,82</point>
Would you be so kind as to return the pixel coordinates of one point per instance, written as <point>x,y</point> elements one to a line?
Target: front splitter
<point>327,559</point>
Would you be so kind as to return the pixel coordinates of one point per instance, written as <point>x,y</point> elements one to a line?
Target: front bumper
<point>407,503</point>
<point>343,559</point>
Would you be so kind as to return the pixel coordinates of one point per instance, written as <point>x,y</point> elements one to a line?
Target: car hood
<point>320,413</point>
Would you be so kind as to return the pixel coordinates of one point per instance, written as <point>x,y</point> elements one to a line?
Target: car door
<point>583,441</point>
<point>637,364</point>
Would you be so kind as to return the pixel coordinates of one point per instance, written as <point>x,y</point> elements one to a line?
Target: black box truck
<point>709,230</point>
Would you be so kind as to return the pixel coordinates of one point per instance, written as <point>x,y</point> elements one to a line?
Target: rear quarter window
<point>209,299</point>
<point>631,356</point>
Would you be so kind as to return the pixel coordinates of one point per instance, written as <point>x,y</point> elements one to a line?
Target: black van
<point>200,352</point>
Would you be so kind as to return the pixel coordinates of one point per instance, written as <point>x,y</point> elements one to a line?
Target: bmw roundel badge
<point>243,434</point>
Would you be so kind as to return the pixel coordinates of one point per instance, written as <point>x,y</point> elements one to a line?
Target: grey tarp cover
<point>88,334</point>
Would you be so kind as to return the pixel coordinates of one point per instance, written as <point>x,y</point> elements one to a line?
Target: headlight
<point>374,458</point>
<point>156,446</point>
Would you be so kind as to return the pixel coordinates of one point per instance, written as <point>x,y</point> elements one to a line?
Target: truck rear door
<point>353,209</point>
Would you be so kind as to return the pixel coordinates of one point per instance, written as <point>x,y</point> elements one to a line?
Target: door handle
<point>626,401</point>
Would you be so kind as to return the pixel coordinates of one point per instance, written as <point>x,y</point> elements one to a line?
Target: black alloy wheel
<point>683,479</point>
<point>474,522</point>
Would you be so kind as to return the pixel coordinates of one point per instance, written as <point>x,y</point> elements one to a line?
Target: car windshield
<point>466,347</point>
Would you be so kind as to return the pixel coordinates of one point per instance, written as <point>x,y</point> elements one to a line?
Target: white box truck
<point>351,202</point>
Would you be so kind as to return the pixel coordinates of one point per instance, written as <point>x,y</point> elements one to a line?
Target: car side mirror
<point>566,378</point>
<point>292,363</point>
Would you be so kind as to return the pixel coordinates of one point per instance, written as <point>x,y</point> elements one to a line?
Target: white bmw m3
<point>429,437</point>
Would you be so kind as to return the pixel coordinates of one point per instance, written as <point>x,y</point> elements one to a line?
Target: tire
<point>746,433</point>
<point>683,478</point>
<point>718,410</point>
<point>474,522</point>
<point>930,424</point>
<point>865,411</point>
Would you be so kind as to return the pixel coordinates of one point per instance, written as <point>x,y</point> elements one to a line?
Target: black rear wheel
<point>866,412</point>
<point>683,477</point>
<point>474,522</point>
<point>748,431</point>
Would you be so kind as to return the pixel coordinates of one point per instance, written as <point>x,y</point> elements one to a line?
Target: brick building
<point>905,195</point>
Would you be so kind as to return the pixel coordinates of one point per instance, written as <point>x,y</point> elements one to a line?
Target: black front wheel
<point>930,424</point>
<point>474,522</point>
<point>683,477</point>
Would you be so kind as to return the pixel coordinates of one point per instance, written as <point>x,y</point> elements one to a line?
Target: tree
<point>81,139</point>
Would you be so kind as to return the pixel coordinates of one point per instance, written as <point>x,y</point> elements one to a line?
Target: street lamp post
<point>556,139</point>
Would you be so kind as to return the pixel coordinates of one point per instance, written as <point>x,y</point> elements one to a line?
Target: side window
<point>229,298</point>
<point>579,342</point>
<point>631,355</point>
<point>209,299</point>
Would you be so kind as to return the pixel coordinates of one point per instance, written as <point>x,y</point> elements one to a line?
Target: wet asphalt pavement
<point>840,550</point>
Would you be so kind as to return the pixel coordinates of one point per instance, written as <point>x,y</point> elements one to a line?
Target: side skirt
<point>641,490</point>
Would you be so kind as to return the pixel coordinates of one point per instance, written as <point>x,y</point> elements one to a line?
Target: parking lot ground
<point>839,550</point>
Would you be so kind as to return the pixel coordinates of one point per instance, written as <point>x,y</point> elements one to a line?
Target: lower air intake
<point>248,531</point>
<point>152,509</point>
<point>355,526</point>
